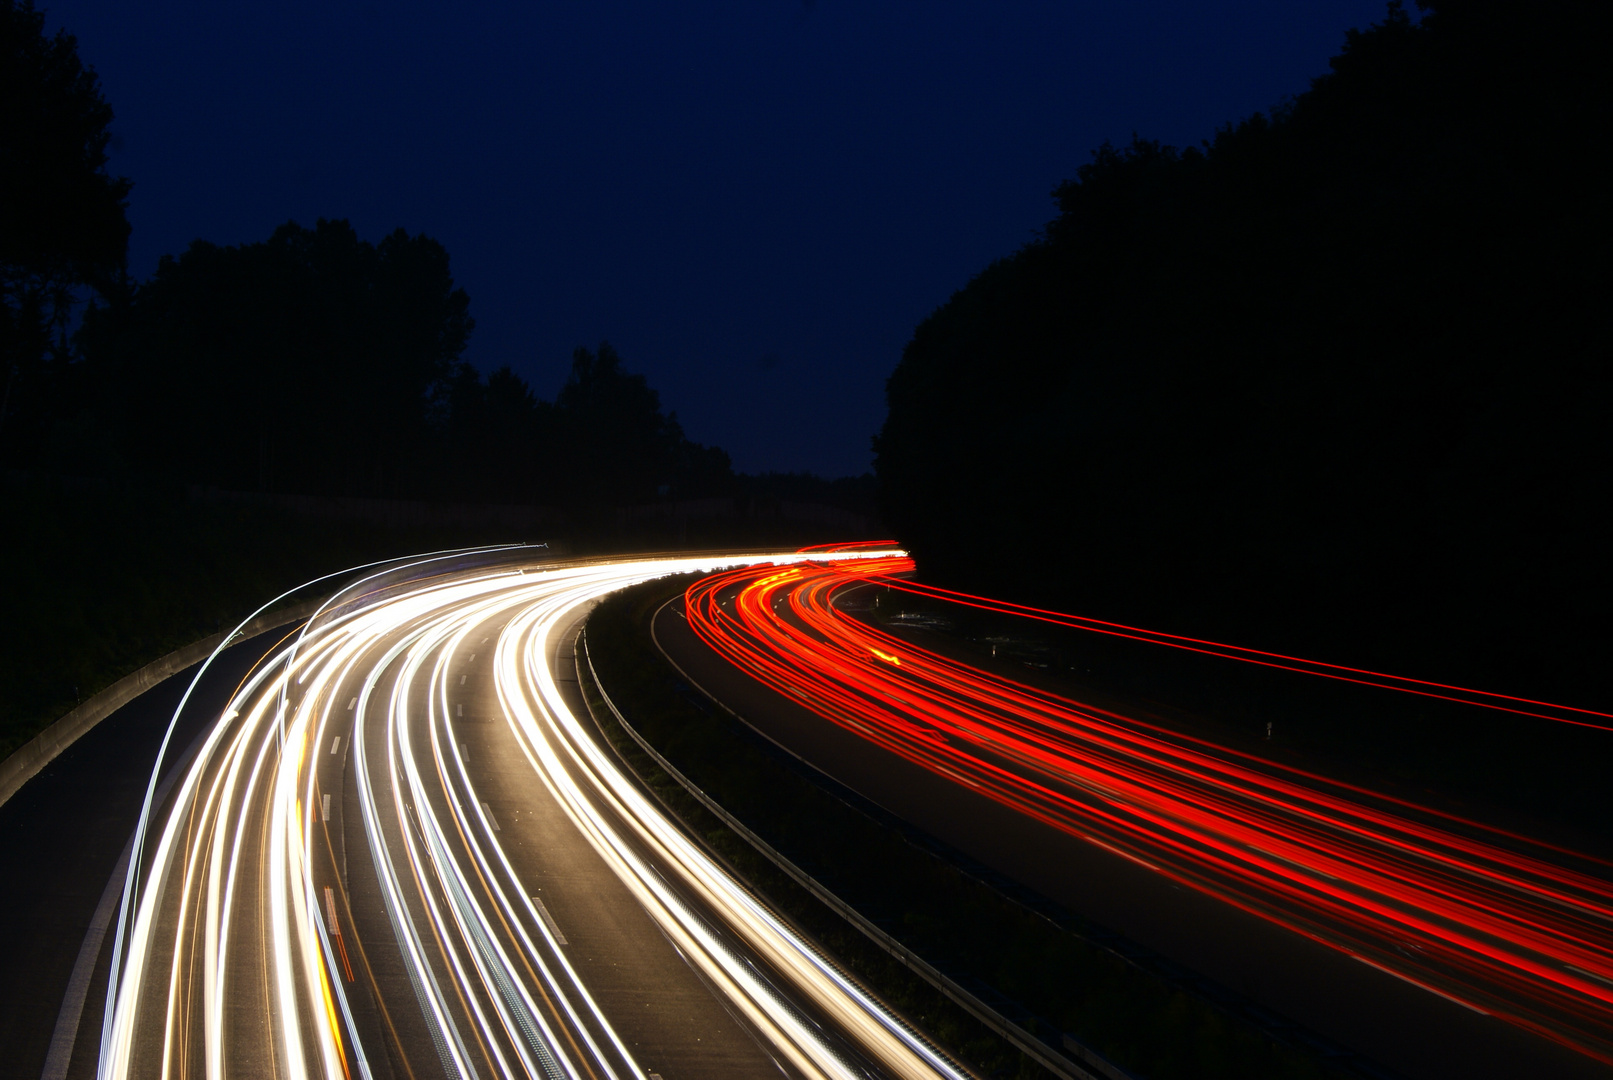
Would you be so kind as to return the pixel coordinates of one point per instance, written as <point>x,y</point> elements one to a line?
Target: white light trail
<point>243,852</point>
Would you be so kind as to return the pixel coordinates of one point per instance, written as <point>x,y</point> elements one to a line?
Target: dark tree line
<point>603,441</point>
<point>313,362</point>
<point>317,362</point>
<point>310,362</point>
<point>1336,380</point>
<point>62,227</point>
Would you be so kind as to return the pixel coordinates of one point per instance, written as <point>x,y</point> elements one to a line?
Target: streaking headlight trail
<point>237,952</point>
<point>1491,920</point>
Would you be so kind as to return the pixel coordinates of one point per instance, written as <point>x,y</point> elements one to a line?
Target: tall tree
<point>314,361</point>
<point>616,444</point>
<point>63,231</point>
<point>619,445</point>
<point>499,438</point>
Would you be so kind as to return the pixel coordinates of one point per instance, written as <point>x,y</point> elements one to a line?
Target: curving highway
<point>1505,927</point>
<point>401,851</point>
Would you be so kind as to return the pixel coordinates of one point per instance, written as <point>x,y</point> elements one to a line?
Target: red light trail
<point>1489,919</point>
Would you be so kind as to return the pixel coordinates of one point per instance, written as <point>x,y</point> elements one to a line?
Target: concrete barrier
<point>27,760</point>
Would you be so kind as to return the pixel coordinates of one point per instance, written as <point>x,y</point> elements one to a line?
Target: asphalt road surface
<point>398,850</point>
<point>1408,1028</point>
<point>61,836</point>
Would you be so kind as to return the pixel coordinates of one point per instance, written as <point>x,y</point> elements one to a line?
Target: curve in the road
<point>330,890</point>
<point>1490,920</point>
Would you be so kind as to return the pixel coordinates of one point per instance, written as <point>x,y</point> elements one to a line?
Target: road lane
<point>667,1016</point>
<point>1374,1010</point>
<point>401,935</point>
<point>61,836</point>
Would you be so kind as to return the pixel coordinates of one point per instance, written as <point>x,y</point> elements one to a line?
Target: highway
<point>85,803</point>
<point>1445,917</point>
<point>400,851</point>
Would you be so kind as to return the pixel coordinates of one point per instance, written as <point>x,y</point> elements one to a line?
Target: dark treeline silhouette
<point>1335,381</point>
<point>319,363</point>
<point>62,227</point>
<point>313,363</point>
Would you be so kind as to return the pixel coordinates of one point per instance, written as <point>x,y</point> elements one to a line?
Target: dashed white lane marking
<point>462,680</point>
<point>335,744</point>
<point>548,920</point>
<point>332,925</point>
<point>491,820</point>
<point>324,807</point>
<point>350,704</point>
<point>461,710</point>
<point>464,752</point>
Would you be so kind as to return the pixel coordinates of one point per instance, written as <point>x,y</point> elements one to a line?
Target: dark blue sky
<point>756,202</point>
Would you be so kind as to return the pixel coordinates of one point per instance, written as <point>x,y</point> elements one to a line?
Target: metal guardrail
<point>31,757</point>
<point>1089,1064</point>
<point>1279,1029</point>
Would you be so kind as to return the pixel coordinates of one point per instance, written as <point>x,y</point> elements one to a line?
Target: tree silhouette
<point>499,439</point>
<point>62,224</point>
<point>1335,380</point>
<point>314,361</point>
<point>618,445</point>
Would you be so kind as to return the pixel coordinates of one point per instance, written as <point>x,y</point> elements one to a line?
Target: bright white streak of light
<point>309,1000</point>
<point>885,1038</point>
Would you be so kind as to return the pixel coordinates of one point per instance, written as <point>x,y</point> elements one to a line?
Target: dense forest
<point>1334,381</point>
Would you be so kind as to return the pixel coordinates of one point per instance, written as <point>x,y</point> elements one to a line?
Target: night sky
<point>754,202</point>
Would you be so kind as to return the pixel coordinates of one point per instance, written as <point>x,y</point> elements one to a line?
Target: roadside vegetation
<point>1042,969</point>
<point>313,363</point>
<point>1538,777</point>
<point>102,580</point>
<point>103,577</point>
<point>1334,382</point>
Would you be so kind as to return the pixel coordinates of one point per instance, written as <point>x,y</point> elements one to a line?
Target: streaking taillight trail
<point>231,956</point>
<point>1492,920</point>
